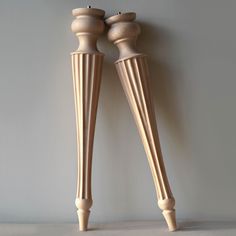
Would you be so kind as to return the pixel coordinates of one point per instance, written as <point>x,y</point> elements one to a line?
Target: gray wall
<point>192,55</point>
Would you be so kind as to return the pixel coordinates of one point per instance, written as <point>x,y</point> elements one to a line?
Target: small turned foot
<point>167,205</point>
<point>83,212</point>
<point>170,219</point>
<point>83,217</point>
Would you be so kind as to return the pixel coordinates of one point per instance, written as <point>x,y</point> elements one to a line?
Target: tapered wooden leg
<point>86,70</point>
<point>133,73</point>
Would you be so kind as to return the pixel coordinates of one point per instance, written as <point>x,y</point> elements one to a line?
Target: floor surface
<point>122,229</point>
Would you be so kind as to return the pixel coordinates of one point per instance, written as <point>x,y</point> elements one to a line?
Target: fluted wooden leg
<point>86,79</point>
<point>133,73</point>
<point>86,70</point>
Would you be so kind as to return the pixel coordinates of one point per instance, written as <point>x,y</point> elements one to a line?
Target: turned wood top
<point>88,11</point>
<point>123,33</point>
<point>123,27</point>
<point>121,17</point>
<point>88,20</point>
<point>88,25</point>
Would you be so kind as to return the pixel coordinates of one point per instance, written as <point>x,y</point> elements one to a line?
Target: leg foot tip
<point>83,212</point>
<point>83,217</point>
<point>170,219</point>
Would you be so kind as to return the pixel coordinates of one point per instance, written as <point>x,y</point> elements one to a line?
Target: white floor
<point>122,229</point>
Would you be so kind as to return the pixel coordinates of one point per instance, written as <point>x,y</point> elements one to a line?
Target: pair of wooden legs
<point>133,72</point>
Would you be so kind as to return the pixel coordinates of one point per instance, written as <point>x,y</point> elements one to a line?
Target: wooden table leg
<point>133,72</point>
<point>86,70</point>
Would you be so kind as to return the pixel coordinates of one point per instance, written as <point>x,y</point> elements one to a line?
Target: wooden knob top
<point>87,26</point>
<point>125,17</point>
<point>123,33</point>
<point>88,11</point>
<point>88,20</point>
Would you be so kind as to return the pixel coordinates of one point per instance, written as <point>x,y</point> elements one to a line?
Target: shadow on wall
<point>168,88</point>
<point>165,79</point>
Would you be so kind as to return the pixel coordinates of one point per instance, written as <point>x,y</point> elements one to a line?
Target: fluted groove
<point>133,73</point>
<point>86,70</point>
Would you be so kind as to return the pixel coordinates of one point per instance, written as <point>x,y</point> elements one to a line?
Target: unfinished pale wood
<point>133,72</point>
<point>86,70</point>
